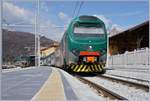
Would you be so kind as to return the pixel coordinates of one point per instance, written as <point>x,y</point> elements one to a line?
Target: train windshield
<point>88,29</point>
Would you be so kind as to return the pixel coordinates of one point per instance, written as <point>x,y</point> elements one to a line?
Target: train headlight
<point>90,47</point>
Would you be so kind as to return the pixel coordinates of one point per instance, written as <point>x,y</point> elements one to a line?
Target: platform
<point>44,83</point>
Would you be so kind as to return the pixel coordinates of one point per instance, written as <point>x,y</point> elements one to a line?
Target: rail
<point>101,90</point>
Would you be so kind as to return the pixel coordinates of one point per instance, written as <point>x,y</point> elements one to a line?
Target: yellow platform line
<point>52,89</point>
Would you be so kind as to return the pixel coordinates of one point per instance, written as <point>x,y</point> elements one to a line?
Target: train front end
<point>87,45</point>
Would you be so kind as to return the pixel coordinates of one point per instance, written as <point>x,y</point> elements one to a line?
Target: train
<point>83,47</point>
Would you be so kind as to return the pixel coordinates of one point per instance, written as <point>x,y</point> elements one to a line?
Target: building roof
<point>45,48</point>
<point>131,29</point>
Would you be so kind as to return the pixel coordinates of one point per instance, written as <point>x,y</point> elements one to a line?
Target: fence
<point>135,58</point>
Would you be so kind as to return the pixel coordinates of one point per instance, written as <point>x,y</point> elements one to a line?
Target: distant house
<point>45,53</point>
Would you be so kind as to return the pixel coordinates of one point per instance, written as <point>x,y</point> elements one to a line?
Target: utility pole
<point>0,41</point>
<point>1,6</point>
<point>37,37</point>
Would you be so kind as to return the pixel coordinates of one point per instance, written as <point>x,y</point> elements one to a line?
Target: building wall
<point>48,51</point>
<point>134,38</point>
<point>137,58</point>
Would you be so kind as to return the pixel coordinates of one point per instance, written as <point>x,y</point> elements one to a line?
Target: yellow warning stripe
<point>79,69</point>
<point>99,67</point>
<point>96,67</point>
<point>76,67</point>
<point>72,66</point>
<point>92,68</point>
<point>84,68</point>
<point>89,69</point>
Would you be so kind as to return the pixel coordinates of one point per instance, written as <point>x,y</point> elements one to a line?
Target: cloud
<point>107,21</point>
<point>117,27</point>
<point>52,33</point>
<point>44,7</point>
<point>15,14</point>
<point>63,16</point>
<point>110,26</point>
<point>126,14</point>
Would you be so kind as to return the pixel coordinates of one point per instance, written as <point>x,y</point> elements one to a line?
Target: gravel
<point>131,93</point>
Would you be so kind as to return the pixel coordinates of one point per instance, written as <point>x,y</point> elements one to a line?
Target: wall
<point>135,58</point>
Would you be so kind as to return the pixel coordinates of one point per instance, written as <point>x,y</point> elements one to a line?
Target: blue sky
<point>119,14</point>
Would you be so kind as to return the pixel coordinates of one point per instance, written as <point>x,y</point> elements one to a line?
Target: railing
<point>135,58</point>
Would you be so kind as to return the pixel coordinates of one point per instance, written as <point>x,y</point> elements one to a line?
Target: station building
<point>136,37</point>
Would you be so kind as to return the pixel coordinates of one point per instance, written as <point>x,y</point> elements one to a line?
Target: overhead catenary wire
<point>76,12</point>
<point>81,4</point>
<point>76,5</point>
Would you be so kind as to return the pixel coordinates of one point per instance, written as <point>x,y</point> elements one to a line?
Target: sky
<point>55,16</point>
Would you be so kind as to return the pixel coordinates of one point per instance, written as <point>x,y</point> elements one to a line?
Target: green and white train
<point>83,47</point>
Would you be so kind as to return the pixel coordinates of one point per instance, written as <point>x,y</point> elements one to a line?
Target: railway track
<point>131,91</point>
<point>126,82</point>
<point>101,90</point>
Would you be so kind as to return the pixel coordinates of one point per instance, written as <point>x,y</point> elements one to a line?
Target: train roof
<point>87,18</point>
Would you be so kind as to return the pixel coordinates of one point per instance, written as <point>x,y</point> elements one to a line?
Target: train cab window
<point>88,29</point>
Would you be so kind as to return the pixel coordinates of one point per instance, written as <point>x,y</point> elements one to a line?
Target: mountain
<point>15,44</point>
<point>115,29</point>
